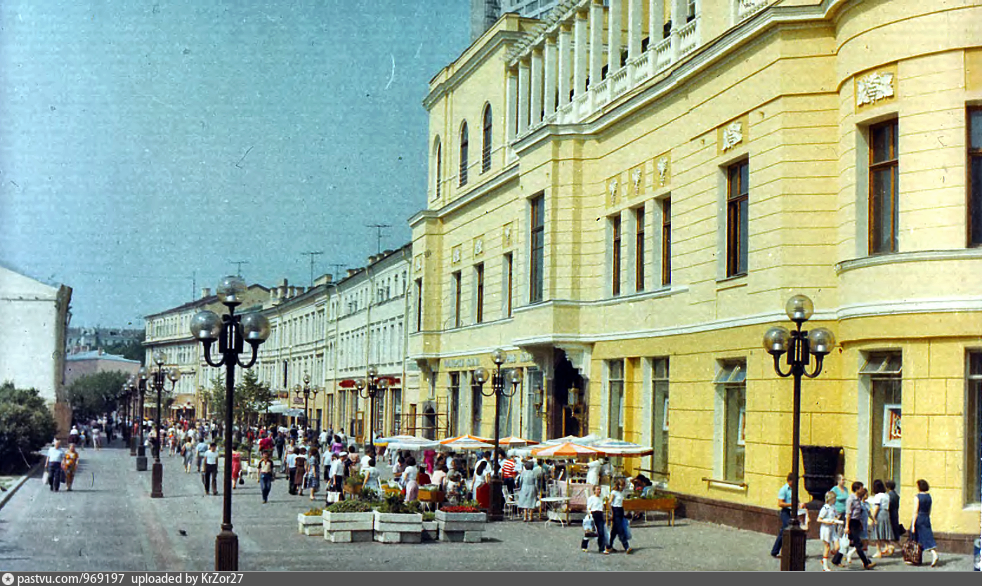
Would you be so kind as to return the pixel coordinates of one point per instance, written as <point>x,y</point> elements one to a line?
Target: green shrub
<point>393,503</point>
<point>26,425</point>
<point>351,506</point>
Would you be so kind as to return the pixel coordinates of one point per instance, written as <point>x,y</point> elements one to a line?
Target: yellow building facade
<point>635,237</point>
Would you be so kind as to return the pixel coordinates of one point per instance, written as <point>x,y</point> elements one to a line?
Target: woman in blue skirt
<point>921,531</point>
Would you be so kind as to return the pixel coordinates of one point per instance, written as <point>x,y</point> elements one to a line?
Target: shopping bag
<point>44,477</point>
<point>844,543</point>
<point>333,497</point>
<point>912,552</point>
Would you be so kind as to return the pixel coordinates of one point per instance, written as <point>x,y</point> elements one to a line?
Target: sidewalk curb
<point>13,489</point>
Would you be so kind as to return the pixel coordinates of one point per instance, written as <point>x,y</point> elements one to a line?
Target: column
<point>564,64</point>
<point>678,21</point>
<point>656,22</point>
<point>523,96</point>
<point>549,88</point>
<point>614,37</point>
<point>511,95</point>
<point>634,25</point>
<point>536,86</point>
<point>596,42</point>
<point>579,54</point>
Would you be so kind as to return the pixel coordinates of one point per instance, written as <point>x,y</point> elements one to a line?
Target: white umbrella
<point>465,443</point>
<point>407,442</point>
<point>615,447</point>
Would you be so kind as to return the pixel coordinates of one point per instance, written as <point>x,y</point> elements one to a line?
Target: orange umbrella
<point>465,437</point>
<point>514,442</point>
<point>566,450</point>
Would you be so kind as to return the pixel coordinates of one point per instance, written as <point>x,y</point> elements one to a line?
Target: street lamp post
<point>373,386</point>
<point>130,411</point>
<point>800,346</point>
<point>497,390</point>
<point>231,331</point>
<point>307,392</point>
<point>157,384</point>
<point>141,389</point>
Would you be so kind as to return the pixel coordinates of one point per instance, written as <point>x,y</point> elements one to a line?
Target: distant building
<point>32,341</point>
<point>88,339</point>
<point>94,361</point>
<point>484,13</point>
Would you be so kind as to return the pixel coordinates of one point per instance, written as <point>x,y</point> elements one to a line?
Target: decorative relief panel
<point>455,254</point>
<point>637,181</point>
<point>418,263</point>
<point>732,134</point>
<point>663,166</point>
<point>612,190</point>
<point>507,235</point>
<point>479,245</point>
<point>874,87</point>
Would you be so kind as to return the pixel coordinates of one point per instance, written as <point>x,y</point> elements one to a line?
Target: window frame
<point>737,219</point>
<point>973,156</point>
<point>731,377</point>
<point>666,242</point>
<point>479,293</point>
<point>438,170</point>
<point>464,154</point>
<point>508,262</point>
<point>487,135</point>
<point>615,389</point>
<point>973,425</point>
<point>455,277</point>
<point>639,252</point>
<point>615,251</point>
<point>537,208</point>
<point>873,231</point>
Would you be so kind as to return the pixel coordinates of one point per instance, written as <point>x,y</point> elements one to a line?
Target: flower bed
<point>348,521</point>
<point>310,523</point>
<point>398,527</point>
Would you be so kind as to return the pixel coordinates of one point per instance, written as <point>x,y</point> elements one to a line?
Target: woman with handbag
<point>920,527</point>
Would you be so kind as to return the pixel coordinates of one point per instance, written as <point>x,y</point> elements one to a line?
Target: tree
<point>91,395</point>
<point>26,424</point>
<point>131,349</point>
<point>253,395</point>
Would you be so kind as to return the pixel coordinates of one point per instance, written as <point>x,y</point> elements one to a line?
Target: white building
<point>32,341</point>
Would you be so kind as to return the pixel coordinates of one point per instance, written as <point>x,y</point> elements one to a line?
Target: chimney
<point>205,292</point>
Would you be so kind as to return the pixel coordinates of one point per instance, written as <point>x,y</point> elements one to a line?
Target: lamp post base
<point>141,463</point>
<point>227,551</point>
<point>793,550</point>
<point>157,481</point>
<point>497,500</point>
<point>132,446</point>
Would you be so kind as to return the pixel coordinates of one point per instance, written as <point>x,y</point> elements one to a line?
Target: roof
<point>97,355</point>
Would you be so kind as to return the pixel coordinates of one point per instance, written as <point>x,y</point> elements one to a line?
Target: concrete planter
<point>430,531</point>
<point>347,527</point>
<point>310,524</point>
<point>398,527</point>
<point>464,527</point>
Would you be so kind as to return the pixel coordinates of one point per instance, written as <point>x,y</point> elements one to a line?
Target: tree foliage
<point>26,424</point>
<point>251,397</point>
<point>131,349</point>
<point>92,395</point>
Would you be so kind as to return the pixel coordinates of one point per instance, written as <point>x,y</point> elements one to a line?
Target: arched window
<point>463,154</point>
<point>437,168</point>
<point>486,147</point>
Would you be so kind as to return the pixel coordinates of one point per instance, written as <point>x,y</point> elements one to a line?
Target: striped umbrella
<point>515,442</point>
<point>615,447</point>
<point>466,442</point>
<point>566,450</point>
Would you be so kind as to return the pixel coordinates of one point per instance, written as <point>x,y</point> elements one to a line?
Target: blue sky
<point>147,144</point>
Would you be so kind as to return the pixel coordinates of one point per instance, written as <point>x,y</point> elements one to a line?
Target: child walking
<point>828,532</point>
<point>595,510</point>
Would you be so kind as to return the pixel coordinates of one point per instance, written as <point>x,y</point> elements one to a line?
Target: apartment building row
<point>623,196</point>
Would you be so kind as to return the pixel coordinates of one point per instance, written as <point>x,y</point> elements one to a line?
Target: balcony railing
<point>638,70</point>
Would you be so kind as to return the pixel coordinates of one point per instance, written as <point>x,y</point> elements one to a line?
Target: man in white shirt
<point>211,469</point>
<point>53,465</point>
<point>593,471</point>
<point>337,474</point>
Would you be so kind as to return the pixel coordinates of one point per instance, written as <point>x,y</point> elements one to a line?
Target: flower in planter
<point>460,509</point>
<point>314,513</point>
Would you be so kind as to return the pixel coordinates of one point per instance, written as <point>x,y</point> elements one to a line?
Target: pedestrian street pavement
<point>109,522</point>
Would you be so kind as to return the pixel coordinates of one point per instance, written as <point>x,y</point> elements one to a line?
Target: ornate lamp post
<point>498,390</point>
<point>230,331</point>
<point>141,389</point>
<point>800,346</point>
<point>157,384</point>
<point>373,387</point>
<point>130,410</point>
<point>307,392</point>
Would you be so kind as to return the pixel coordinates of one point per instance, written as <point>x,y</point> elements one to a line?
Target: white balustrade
<point>689,37</point>
<point>640,68</point>
<point>619,82</point>
<point>663,55</point>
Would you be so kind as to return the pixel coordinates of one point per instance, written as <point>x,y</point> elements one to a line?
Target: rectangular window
<point>508,263</point>
<point>639,258</point>
<point>456,299</point>
<point>396,411</point>
<point>884,175</point>
<point>477,405</point>
<point>973,428</point>
<point>659,410</point>
<point>666,241</point>
<point>330,411</point>
<point>479,293</point>
<point>883,371</point>
<point>737,223</point>
<point>454,406</point>
<point>419,305</point>
<point>615,388</point>
<point>536,247</point>
<point>731,387</point>
<point>615,256</point>
<point>974,124</point>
